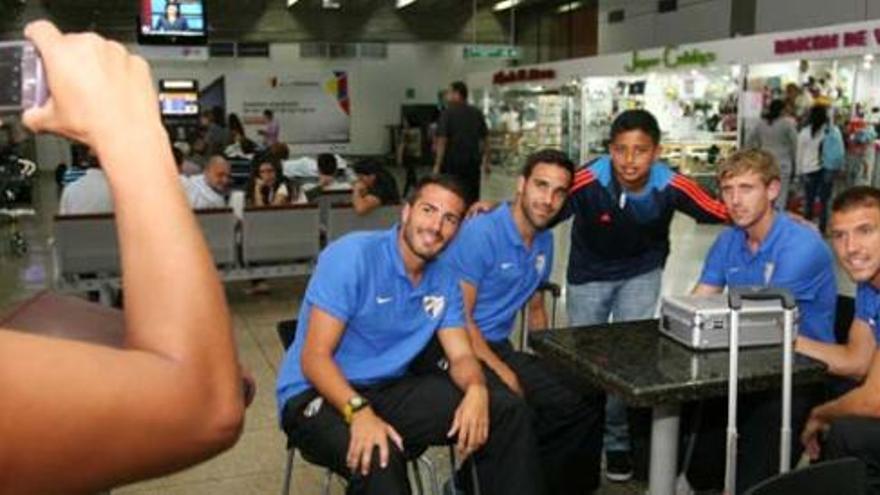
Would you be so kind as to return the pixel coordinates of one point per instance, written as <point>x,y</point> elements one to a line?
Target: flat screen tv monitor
<point>179,104</point>
<point>172,22</point>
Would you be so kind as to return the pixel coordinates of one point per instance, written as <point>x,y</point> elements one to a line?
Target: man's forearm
<point>328,380</point>
<point>440,155</point>
<point>466,372</point>
<point>840,359</point>
<point>862,402</point>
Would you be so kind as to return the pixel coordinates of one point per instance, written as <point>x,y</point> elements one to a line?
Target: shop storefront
<point>706,96</point>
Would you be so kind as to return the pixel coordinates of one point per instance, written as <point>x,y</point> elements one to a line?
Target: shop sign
<point>493,52</point>
<point>522,75</point>
<point>671,58</point>
<point>832,41</point>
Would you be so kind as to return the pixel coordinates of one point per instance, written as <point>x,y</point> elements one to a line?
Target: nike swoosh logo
<point>383,300</point>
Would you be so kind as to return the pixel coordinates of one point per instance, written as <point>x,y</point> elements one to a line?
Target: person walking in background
<point>272,130</point>
<point>461,146</point>
<point>819,155</point>
<point>777,135</point>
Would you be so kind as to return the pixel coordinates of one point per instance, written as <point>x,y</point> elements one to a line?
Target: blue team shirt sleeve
<point>715,265</point>
<point>333,286</point>
<point>469,257</point>
<point>453,317</point>
<point>866,305</point>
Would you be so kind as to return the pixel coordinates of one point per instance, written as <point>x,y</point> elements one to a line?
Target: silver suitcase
<point>736,305</point>
<point>703,322</point>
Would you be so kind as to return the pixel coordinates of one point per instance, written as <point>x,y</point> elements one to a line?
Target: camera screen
<point>10,76</point>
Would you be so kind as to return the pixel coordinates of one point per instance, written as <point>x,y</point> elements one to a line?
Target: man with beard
<point>208,189</point>
<point>346,397</point>
<point>764,248</point>
<point>500,259</point>
<point>853,420</point>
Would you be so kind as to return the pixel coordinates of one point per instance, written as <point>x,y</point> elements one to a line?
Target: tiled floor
<point>255,464</point>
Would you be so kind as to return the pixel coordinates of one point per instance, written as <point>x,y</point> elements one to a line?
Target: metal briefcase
<point>703,322</point>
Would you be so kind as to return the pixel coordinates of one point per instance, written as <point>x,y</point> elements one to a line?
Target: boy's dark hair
<point>461,88</point>
<point>367,166</point>
<point>268,113</point>
<point>447,182</point>
<point>636,120</point>
<point>549,156</point>
<point>865,196</point>
<point>327,164</point>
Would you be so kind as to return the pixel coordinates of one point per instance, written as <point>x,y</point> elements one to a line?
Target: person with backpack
<point>820,154</point>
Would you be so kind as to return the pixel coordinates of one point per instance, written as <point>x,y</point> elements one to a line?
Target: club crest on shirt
<point>540,263</point>
<point>434,305</point>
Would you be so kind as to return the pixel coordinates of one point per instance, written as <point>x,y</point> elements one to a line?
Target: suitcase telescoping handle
<point>735,299</point>
<point>736,295</point>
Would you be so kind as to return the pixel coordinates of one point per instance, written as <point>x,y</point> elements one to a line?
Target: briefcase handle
<point>736,295</point>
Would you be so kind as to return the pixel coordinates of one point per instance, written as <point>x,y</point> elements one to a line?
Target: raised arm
<point>172,397</point>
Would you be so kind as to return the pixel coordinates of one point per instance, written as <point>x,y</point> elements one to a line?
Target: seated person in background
<point>216,136</point>
<point>208,189</point>
<point>852,421</point>
<point>373,188</point>
<point>327,169</point>
<point>345,395</point>
<point>500,260</point>
<point>764,247</point>
<point>88,194</point>
<point>267,186</point>
<point>169,398</point>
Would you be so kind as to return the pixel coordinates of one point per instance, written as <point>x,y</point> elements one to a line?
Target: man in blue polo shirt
<point>852,421</point>
<point>345,395</point>
<point>501,258</point>
<point>764,247</point>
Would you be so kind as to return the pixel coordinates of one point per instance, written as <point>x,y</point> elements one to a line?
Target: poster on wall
<point>309,108</point>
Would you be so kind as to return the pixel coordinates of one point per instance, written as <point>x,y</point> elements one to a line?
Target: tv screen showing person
<point>174,17</point>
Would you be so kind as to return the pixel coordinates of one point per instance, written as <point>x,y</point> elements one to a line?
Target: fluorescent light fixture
<point>290,3</point>
<point>505,4</point>
<point>568,7</point>
<point>403,3</point>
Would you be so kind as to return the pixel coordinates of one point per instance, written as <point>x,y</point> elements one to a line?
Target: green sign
<point>490,51</point>
<point>670,59</point>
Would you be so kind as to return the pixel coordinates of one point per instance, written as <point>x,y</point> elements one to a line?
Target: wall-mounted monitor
<point>172,22</point>
<point>179,97</point>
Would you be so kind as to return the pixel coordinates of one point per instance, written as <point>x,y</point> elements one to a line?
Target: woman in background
<point>777,135</point>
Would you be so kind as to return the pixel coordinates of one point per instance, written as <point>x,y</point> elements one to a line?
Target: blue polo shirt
<point>793,257</point>
<point>360,280</point>
<point>868,306</point>
<point>490,254</point>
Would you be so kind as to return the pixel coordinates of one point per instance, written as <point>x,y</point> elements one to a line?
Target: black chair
<point>844,476</point>
<point>287,332</point>
<point>555,292</point>
<point>843,317</point>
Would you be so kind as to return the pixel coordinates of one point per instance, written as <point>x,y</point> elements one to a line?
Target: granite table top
<point>645,368</point>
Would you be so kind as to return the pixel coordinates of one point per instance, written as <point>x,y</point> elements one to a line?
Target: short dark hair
<point>268,113</point>
<point>636,120</point>
<point>461,88</point>
<point>865,196</point>
<point>327,164</point>
<point>447,182</point>
<point>367,166</point>
<point>549,156</point>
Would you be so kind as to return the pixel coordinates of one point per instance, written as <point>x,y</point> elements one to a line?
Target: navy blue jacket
<point>616,234</point>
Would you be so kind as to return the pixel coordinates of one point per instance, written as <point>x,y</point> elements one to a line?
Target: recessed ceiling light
<point>568,7</point>
<point>505,4</point>
<point>403,3</point>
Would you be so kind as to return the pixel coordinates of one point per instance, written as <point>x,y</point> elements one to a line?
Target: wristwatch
<point>355,404</point>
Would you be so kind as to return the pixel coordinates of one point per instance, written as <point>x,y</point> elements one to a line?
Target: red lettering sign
<point>808,43</point>
<point>522,75</point>
<point>856,38</point>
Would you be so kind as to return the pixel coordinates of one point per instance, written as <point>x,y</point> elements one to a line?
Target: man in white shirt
<point>89,194</point>
<point>208,189</point>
